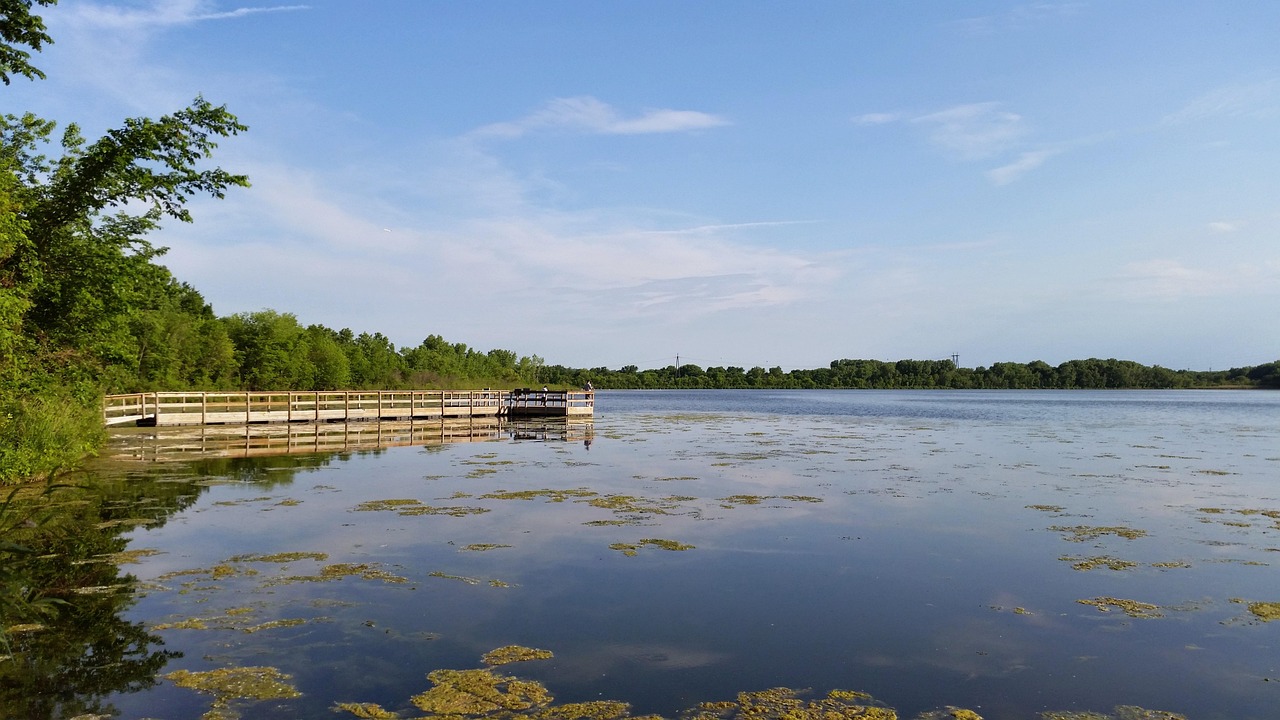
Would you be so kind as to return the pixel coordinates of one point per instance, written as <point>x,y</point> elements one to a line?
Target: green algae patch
<point>1092,563</point>
<point>513,654</point>
<point>1083,533</point>
<point>1120,712</point>
<point>484,693</point>
<point>284,557</point>
<point>632,549</point>
<point>369,711</point>
<point>785,704</point>
<point>1046,508</point>
<point>1265,611</point>
<point>481,547</point>
<point>950,713</point>
<point>338,571</point>
<point>590,710</point>
<point>217,572</point>
<point>411,507</point>
<point>459,578</point>
<point>130,557</point>
<point>237,618</point>
<point>450,510</point>
<point>388,504</point>
<point>273,624</point>
<point>230,686</point>
<point>241,501</point>
<point>637,505</point>
<point>544,494</point>
<point>366,571</point>
<point>734,500</point>
<point>1133,712</point>
<point>188,624</point>
<point>479,692</point>
<point>1132,608</point>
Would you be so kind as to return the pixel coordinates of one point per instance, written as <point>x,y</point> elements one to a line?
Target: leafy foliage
<point>18,29</point>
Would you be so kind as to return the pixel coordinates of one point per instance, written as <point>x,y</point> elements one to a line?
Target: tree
<point>19,28</point>
<point>83,305</point>
<point>72,271</point>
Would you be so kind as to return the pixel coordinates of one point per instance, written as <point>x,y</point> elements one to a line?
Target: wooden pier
<point>245,408</point>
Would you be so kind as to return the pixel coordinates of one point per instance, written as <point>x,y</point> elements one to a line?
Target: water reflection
<point>243,441</point>
<point>68,646</point>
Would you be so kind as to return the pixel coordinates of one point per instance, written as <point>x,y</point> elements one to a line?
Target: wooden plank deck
<point>243,408</point>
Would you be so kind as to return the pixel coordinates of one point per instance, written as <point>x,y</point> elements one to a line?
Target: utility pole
<point>677,366</point>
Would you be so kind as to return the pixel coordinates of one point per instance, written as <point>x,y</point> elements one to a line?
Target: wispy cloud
<point>880,118</point>
<point>1019,17</point>
<point>974,131</point>
<point>587,114</point>
<point>163,13</point>
<point>1171,280</point>
<point>1025,163</point>
<point>1260,100</point>
<point>1222,227</point>
<point>711,229</point>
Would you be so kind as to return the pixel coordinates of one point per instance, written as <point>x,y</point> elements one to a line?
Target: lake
<point>1010,553</point>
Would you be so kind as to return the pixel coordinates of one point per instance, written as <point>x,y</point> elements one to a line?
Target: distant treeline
<point>876,374</point>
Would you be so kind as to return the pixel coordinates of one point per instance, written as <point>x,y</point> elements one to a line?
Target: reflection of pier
<point>280,439</point>
<point>231,408</point>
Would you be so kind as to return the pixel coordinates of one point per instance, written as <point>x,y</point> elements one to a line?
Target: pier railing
<point>220,408</point>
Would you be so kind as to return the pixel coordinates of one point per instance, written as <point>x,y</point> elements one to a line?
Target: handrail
<point>254,406</point>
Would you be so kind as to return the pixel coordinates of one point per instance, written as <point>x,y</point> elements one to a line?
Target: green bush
<point>43,434</point>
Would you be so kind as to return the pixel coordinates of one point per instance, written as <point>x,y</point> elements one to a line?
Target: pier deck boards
<point>242,408</point>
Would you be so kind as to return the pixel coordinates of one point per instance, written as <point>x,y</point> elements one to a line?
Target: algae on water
<point>1132,608</point>
<point>230,686</point>
<point>513,654</point>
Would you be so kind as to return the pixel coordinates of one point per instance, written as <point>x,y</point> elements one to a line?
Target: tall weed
<point>42,434</point>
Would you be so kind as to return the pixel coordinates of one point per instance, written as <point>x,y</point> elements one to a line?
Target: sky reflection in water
<point>872,541</point>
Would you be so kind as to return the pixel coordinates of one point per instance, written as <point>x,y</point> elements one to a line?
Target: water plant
<point>512,654</point>
<point>232,686</point>
<point>1132,608</point>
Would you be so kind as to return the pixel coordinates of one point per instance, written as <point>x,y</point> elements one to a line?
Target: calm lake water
<point>929,548</point>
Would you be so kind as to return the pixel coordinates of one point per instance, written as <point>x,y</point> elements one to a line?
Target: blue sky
<point>750,183</point>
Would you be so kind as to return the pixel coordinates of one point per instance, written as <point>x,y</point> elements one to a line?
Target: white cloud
<point>161,13</point>
<point>1223,226</point>
<point>588,115</point>
<point>1171,280</point>
<point>1018,17</point>
<point>600,265</point>
<point>974,131</point>
<point>876,118</point>
<point>1025,163</point>
<point>1259,100</point>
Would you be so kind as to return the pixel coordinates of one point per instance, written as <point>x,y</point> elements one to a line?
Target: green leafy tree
<point>18,29</point>
<point>83,305</point>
